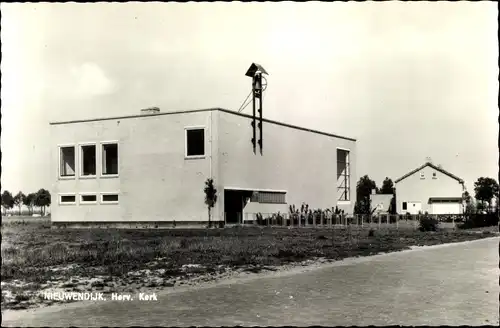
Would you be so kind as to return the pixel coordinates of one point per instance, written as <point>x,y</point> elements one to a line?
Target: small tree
<point>19,200</point>
<point>42,199</point>
<point>7,200</point>
<point>467,201</point>
<point>364,188</point>
<point>210,198</point>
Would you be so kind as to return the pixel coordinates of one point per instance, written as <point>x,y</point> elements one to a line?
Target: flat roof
<point>201,110</point>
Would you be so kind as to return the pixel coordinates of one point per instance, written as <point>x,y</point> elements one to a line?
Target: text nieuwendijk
<point>75,296</point>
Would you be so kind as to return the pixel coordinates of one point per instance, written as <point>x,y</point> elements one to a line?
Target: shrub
<point>428,224</point>
<point>479,221</point>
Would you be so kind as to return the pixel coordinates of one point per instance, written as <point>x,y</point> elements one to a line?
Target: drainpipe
<point>211,141</point>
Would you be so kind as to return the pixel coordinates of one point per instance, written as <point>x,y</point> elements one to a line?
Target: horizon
<point>406,92</point>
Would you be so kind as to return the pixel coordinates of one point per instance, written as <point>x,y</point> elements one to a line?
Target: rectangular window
<point>266,197</point>
<point>109,198</point>
<point>343,175</point>
<point>110,159</point>
<point>67,161</point>
<point>195,142</point>
<point>86,199</point>
<point>405,206</point>
<point>434,176</point>
<point>67,199</point>
<point>88,160</point>
<point>422,176</point>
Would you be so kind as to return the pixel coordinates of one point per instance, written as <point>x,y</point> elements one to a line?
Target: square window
<point>67,161</point>
<point>88,160</point>
<point>110,159</point>
<point>67,199</point>
<point>195,142</point>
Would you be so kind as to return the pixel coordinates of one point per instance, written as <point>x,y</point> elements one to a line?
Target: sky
<point>408,80</point>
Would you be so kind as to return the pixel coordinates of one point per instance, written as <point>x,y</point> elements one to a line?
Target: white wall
<point>446,208</point>
<point>155,183</point>
<point>302,163</point>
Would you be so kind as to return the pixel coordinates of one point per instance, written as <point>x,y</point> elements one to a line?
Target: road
<point>454,284</point>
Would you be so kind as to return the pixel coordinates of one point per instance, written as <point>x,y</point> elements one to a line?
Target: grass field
<point>36,258</point>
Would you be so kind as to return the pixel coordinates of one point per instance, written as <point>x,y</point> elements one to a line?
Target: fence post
<point>330,217</point>
<point>397,222</point>
<point>379,219</point>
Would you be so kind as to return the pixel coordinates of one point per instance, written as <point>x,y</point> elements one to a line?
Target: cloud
<point>90,80</point>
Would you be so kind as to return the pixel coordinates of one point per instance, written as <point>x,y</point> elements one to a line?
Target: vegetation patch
<point>37,259</point>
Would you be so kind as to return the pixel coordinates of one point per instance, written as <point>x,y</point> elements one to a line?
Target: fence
<point>322,220</point>
<point>24,212</point>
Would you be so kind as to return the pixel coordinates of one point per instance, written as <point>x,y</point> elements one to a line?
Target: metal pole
<point>254,139</point>
<point>260,113</point>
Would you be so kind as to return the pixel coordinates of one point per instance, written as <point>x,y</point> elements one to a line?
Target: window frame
<point>83,202</point>
<point>271,196</point>
<point>61,203</point>
<point>101,198</point>
<point>102,144</point>
<point>404,206</point>
<point>80,152</point>
<point>190,128</point>
<point>347,177</point>
<point>59,148</point>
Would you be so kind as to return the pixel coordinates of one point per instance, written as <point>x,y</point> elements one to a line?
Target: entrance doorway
<point>234,202</point>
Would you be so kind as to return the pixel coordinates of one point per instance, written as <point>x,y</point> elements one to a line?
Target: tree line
<point>485,190</point>
<point>40,199</point>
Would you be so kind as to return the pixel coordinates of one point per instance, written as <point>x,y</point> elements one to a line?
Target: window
<point>343,175</point>
<point>434,175</point>
<point>195,142</point>
<point>109,198</point>
<point>405,206</point>
<point>88,199</point>
<point>110,159</point>
<point>67,161</point>
<point>268,197</point>
<point>88,161</point>
<point>422,176</point>
<point>67,199</point>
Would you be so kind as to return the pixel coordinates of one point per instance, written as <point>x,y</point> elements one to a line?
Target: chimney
<point>150,110</point>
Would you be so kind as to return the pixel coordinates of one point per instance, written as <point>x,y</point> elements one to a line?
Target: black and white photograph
<point>248,164</point>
